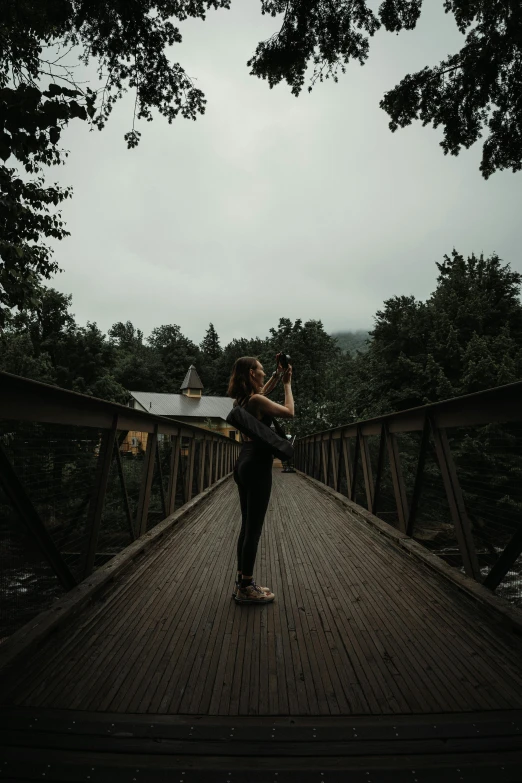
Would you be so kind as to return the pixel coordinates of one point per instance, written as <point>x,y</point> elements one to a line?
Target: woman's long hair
<point>240,386</point>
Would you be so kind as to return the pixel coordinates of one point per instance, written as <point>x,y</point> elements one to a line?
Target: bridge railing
<point>80,479</point>
<point>448,474</point>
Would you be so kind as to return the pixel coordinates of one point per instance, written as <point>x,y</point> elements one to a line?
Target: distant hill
<point>350,342</point>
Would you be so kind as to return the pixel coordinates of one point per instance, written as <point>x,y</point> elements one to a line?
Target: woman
<point>253,470</point>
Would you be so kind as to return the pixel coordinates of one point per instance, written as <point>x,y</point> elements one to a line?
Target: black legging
<point>253,476</point>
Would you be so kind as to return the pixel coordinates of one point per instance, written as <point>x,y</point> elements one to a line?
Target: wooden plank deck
<point>361,639</point>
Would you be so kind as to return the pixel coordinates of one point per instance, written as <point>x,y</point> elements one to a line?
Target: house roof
<point>181,405</point>
<point>192,379</point>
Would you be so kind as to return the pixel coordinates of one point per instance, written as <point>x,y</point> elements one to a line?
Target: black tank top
<point>265,418</point>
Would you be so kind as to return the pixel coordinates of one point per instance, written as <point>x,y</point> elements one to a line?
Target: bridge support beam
<point>146,484</point>
<point>94,514</point>
<point>456,502</point>
<point>357,449</point>
<point>160,477</point>
<point>190,469</point>
<point>174,469</point>
<point>29,516</point>
<point>126,504</point>
<point>417,487</point>
<point>380,466</point>
<point>367,470</point>
<point>505,561</point>
<point>399,489</point>
<point>202,455</point>
<point>347,464</point>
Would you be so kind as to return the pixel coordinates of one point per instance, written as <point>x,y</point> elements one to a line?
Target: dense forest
<point>465,337</point>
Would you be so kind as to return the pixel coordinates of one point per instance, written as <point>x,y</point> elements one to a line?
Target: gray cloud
<point>273,206</point>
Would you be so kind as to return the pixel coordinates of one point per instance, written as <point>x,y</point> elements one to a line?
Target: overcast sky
<point>273,206</point>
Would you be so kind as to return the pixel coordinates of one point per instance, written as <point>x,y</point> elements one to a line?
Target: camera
<point>283,359</point>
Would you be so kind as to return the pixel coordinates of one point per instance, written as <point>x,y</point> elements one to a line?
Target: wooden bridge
<point>377,662</point>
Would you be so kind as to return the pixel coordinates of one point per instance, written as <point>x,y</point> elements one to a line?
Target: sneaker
<point>236,588</point>
<point>253,594</point>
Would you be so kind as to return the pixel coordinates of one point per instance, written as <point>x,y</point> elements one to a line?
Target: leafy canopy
<point>473,92</point>
<point>40,93</point>
<point>466,337</point>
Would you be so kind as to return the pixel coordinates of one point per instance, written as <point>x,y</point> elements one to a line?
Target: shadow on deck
<point>367,663</point>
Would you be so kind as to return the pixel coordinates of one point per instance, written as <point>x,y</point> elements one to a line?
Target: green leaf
<point>54,134</point>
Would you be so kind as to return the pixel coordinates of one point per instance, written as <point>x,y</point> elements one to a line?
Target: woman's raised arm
<point>265,405</point>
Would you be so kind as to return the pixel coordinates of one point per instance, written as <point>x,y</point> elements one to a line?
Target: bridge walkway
<point>364,644</point>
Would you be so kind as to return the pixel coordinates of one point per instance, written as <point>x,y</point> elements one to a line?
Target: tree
<point>125,336</point>
<point>234,350</point>
<point>470,93</point>
<point>31,338</point>
<point>46,344</point>
<point>85,362</point>
<point>175,353</point>
<point>210,352</point>
<point>138,367</point>
<point>315,355</point>
<point>47,321</point>
<point>129,42</point>
<point>18,356</point>
<point>321,373</point>
<point>210,345</point>
<point>466,337</point>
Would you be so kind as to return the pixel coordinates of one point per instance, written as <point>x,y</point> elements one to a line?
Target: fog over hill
<point>352,341</point>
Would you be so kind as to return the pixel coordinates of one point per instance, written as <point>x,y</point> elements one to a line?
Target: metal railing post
<point>399,489</point>
<point>175,450</point>
<point>211,463</point>
<point>94,514</point>
<point>190,468</point>
<point>367,472</point>
<point>347,465</point>
<point>146,483</point>
<point>380,465</point>
<point>202,454</point>
<point>128,512</point>
<point>419,475</point>
<point>357,449</point>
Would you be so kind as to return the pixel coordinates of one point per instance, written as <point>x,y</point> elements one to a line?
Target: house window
<point>232,434</point>
<point>134,442</point>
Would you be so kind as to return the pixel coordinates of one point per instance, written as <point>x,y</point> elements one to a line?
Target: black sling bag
<point>243,421</point>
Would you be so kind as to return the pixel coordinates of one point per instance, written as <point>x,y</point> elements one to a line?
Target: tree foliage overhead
<point>128,41</point>
<point>40,93</point>
<point>30,126</point>
<point>473,92</point>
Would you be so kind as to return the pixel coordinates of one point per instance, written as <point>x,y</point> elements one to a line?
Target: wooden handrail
<point>26,400</point>
<point>500,404</point>
<point>503,403</point>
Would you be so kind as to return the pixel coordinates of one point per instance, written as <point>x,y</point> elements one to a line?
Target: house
<point>190,406</point>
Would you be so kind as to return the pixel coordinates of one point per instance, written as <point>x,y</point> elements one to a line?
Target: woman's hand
<point>287,374</point>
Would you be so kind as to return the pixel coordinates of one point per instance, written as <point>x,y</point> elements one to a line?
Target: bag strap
<point>277,426</point>
<point>279,429</point>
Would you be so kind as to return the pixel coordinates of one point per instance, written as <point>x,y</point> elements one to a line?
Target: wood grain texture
<point>358,627</point>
